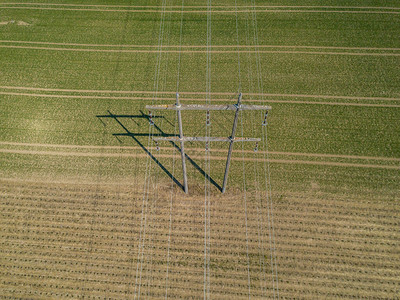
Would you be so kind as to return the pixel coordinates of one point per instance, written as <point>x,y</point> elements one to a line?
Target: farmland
<point>90,208</point>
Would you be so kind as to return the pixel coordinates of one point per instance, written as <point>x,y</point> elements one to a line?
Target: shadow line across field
<point>161,133</point>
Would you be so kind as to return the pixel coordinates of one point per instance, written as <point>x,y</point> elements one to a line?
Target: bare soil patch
<point>22,23</point>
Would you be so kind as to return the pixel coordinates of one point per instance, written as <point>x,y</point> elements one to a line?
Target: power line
<point>148,163</point>
<point>274,267</point>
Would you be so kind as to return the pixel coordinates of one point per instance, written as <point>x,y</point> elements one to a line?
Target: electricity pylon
<point>231,139</point>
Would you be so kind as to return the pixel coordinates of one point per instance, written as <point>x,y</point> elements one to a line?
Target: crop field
<point>92,207</point>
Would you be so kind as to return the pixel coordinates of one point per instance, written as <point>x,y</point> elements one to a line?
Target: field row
<point>78,203</point>
<point>68,253</point>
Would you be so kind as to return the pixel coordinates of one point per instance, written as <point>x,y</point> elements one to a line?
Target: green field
<point>90,209</point>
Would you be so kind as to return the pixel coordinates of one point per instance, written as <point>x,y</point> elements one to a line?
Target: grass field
<point>89,207</point>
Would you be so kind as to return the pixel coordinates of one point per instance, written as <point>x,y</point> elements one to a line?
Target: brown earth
<point>71,240</point>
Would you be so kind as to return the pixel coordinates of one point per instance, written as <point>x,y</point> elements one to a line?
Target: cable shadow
<point>161,133</point>
<point>197,167</point>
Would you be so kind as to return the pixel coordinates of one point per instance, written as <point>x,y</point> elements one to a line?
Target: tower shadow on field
<point>161,133</point>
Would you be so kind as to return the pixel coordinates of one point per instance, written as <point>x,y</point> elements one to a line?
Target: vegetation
<point>86,211</point>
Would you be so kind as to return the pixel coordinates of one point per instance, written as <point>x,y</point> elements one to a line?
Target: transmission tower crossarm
<point>205,139</point>
<point>228,160</point>
<point>207,107</point>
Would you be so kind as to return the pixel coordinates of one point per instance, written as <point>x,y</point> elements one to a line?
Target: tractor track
<point>94,147</point>
<point>119,155</point>
<point>198,51</point>
<point>282,9</point>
